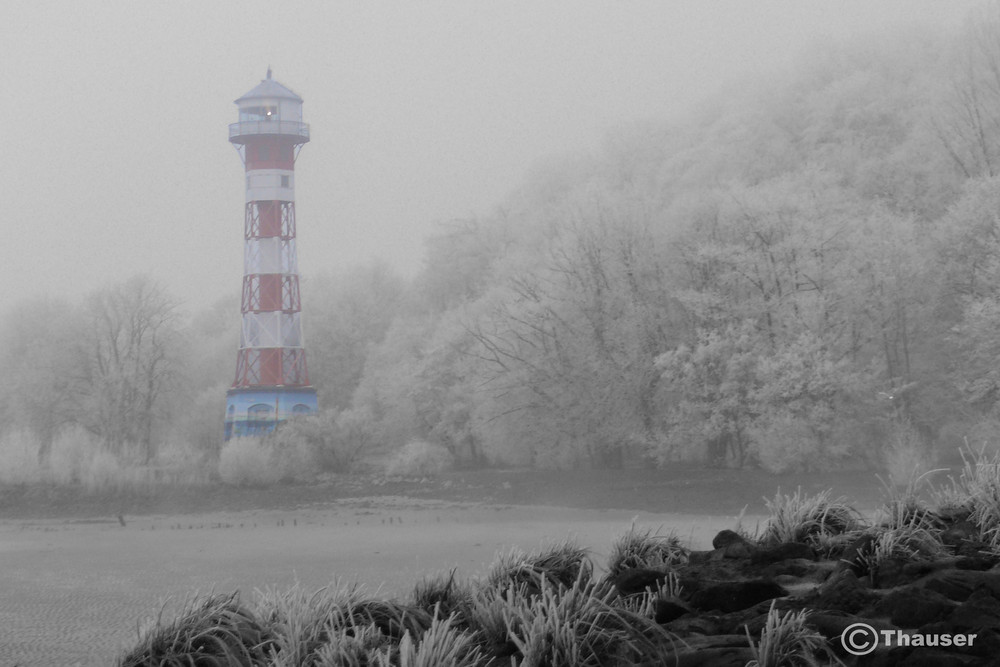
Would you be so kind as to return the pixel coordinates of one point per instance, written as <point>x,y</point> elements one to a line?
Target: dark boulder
<point>733,596</point>
<point>981,610</point>
<point>980,563</point>
<point>717,651</point>
<point>726,537</point>
<point>890,573</point>
<point>638,580</point>
<point>912,607</point>
<point>931,657</point>
<point>726,656</point>
<point>958,585</point>
<point>956,534</point>
<point>843,592</point>
<point>666,610</point>
<point>781,552</point>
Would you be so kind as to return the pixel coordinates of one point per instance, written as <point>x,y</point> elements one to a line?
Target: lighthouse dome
<point>269,109</point>
<point>269,89</point>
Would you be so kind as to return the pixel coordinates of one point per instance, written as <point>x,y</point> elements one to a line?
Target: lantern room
<point>270,109</point>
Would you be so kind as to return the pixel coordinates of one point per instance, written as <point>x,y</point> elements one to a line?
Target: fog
<point>571,272</point>
<point>116,160</point>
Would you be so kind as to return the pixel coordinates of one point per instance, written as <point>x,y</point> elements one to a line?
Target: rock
<point>980,563</point>
<point>806,572</point>
<point>722,640</point>
<point>739,550</point>
<point>958,584</point>
<point>985,645</point>
<point>793,568</point>
<point>912,607</point>
<point>695,577</point>
<point>736,595</point>
<point>717,651</point>
<point>930,657</point>
<point>890,573</point>
<point>843,591</point>
<point>730,656</point>
<point>730,544</point>
<point>726,537</point>
<point>690,624</point>
<point>637,580</point>
<point>755,624</point>
<point>699,557</point>
<point>954,514</point>
<point>921,568</point>
<point>832,625</point>
<point>666,610</point>
<point>752,617</point>
<point>781,552</point>
<point>962,531</point>
<point>981,610</point>
<point>972,549</point>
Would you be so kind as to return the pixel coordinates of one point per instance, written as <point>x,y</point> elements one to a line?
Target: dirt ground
<point>76,590</point>
<point>678,489</point>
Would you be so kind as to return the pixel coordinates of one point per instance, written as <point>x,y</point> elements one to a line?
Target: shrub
<point>216,631</point>
<point>287,454</point>
<point>644,604</point>
<point>906,455</point>
<point>560,624</point>
<point>420,458</point>
<point>356,646</point>
<point>70,459</point>
<point>103,473</point>
<point>76,457</point>
<point>574,626</point>
<point>907,543</point>
<point>247,461</point>
<point>561,565</point>
<point>976,494</point>
<point>786,640</point>
<point>183,462</point>
<point>334,441</point>
<point>71,452</point>
<point>904,508</point>
<point>337,622</point>
<point>441,595</point>
<point>19,452</point>
<point>442,645</point>
<point>985,434</point>
<point>801,518</point>
<point>644,549</point>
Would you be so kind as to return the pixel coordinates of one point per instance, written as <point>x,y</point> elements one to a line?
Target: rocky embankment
<point>894,609</point>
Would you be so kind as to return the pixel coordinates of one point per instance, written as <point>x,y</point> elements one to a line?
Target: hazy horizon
<point>119,161</point>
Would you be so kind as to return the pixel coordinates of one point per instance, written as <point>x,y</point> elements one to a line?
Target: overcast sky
<point>115,157</point>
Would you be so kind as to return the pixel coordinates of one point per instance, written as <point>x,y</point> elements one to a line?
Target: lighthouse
<point>272,382</point>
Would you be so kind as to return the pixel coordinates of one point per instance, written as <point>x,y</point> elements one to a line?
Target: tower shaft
<point>271,351</point>
<point>272,381</point>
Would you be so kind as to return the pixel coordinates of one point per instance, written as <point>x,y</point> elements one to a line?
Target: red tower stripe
<point>267,152</point>
<point>270,291</point>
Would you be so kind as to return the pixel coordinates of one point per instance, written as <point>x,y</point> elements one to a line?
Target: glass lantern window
<point>268,112</point>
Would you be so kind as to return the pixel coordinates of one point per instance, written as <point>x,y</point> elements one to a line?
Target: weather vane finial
<point>268,71</point>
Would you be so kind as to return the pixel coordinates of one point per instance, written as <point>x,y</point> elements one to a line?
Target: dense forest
<point>801,274</point>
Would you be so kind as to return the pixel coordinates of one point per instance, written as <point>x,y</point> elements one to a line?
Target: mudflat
<point>75,590</point>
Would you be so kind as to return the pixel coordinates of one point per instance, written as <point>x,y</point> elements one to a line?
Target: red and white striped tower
<point>272,383</point>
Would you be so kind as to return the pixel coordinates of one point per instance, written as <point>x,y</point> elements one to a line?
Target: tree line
<point>803,274</point>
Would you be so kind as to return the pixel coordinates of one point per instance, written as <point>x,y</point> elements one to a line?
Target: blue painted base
<point>255,412</point>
